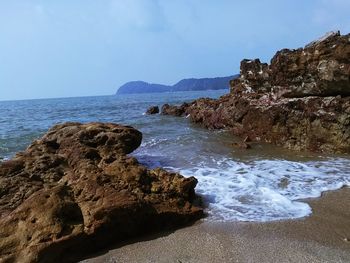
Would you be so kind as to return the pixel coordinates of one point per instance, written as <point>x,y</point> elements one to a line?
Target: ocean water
<point>262,184</point>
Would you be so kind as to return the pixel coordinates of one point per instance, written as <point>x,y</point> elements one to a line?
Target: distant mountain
<point>142,87</point>
<point>183,85</point>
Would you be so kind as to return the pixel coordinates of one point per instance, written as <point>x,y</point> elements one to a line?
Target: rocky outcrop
<point>322,68</point>
<point>300,101</point>
<point>174,110</point>
<point>75,190</point>
<point>152,110</point>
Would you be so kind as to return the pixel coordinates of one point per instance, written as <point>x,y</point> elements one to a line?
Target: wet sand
<point>322,237</point>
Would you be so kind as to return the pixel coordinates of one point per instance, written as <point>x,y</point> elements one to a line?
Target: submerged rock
<point>152,110</point>
<point>243,145</point>
<point>300,101</point>
<point>75,190</point>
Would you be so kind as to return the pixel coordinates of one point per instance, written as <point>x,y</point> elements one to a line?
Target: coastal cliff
<point>299,101</point>
<point>75,191</point>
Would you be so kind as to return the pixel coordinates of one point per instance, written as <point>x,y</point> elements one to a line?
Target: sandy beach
<point>322,237</point>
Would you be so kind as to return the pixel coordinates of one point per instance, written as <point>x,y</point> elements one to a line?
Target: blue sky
<point>85,47</point>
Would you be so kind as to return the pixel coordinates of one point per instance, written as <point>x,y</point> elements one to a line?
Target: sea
<point>265,183</point>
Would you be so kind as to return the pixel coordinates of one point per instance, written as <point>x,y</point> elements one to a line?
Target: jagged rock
<point>254,77</point>
<point>322,68</point>
<point>174,110</point>
<point>152,110</point>
<point>311,123</point>
<point>300,101</point>
<point>75,190</point>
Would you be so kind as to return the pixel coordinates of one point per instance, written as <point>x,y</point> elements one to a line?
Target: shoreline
<point>324,236</point>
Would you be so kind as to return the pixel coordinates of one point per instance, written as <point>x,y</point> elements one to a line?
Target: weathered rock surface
<point>174,110</point>
<point>300,101</point>
<point>322,68</point>
<point>152,110</point>
<point>75,190</point>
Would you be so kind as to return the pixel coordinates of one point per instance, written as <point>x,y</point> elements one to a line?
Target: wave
<point>265,190</point>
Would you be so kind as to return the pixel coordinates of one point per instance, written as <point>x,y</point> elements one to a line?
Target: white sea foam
<point>253,189</point>
<point>265,190</point>
<point>153,142</point>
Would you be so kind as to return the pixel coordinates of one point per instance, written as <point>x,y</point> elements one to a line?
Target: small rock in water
<point>152,110</point>
<point>175,110</point>
<point>242,145</point>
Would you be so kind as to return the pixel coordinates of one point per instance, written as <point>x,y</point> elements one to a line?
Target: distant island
<point>191,84</point>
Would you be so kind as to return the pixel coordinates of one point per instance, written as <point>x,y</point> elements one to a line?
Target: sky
<point>73,48</point>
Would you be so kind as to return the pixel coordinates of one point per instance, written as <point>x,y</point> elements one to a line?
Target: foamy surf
<point>265,190</point>
<point>247,188</point>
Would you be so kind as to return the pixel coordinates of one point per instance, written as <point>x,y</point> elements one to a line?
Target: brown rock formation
<point>174,110</point>
<point>300,101</point>
<point>75,190</point>
<point>152,110</point>
<point>322,68</point>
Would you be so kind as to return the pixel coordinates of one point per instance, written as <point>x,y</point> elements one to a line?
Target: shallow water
<point>262,184</point>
